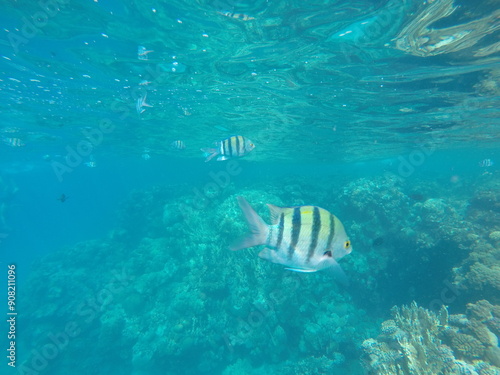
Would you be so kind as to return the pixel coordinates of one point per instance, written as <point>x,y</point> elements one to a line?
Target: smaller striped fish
<point>485,163</point>
<point>178,145</point>
<point>232,147</point>
<point>13,142</point>
<point>236,16</point>
<point>302,238</point>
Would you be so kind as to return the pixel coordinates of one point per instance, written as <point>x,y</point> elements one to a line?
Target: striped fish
<point>178,145</point>
<point>13,142</point>
<point>235,146</point>
<point>236,16</point>
<point>303,238</point>
<point>486,163</point>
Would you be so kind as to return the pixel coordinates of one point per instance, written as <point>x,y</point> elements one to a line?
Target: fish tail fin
<point>210,153</point>
<point>259,230</point>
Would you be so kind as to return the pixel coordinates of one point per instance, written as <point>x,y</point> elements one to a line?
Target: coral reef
<point>174,296</point>
<point>453,237</point>
<point>422,227</point>
<point>418,341</point>
<point>162,291</point>
<point>480,271</point>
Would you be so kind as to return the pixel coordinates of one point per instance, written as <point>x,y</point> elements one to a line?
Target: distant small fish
<point>417,197</point>
<point>145,154</point>
<point>13,142</point>
<point>144,82</point>
<point>485,163</point>
<point>91,163</point>
<point>142,53</point>
<point>237,16</point>
<point>378,241</point>
<point>302,238</point>
<point>178,145</point>
<point>141,102</point>
<point>10,130</point>
<point>232,147</point>
<point>63,198</point>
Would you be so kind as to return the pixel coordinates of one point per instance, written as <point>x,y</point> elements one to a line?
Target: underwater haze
<point>348,151</point>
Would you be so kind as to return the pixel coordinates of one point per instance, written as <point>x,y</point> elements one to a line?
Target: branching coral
<point>418,341</point>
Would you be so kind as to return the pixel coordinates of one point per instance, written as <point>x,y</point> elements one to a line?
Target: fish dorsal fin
<point>275,212</point>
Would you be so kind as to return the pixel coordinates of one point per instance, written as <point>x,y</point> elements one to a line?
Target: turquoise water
<point>116,235</point>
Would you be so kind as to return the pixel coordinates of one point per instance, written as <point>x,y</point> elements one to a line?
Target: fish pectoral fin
<point>336,271</point>
<point>300,269</point>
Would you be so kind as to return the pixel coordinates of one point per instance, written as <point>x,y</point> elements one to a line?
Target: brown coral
<point>389,327</point>
<point>418,341</point>
<point>464,345</point>
<point>494,325</point>
<point>482,333</point>
<point>493,355</point>
<point>481,310</point>
<point>481,276</point>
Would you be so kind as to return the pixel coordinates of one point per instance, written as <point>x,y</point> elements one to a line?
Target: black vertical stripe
<point>229,147</point>
<point>332,232</point>
<point>281,227</point>
<point>269,235</point>
<point>316,226</point>
<point>238,153</point>
<point>295,231</point>
<point>223,147</point>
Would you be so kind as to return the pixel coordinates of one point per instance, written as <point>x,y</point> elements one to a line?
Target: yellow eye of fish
<point>347,244</point>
